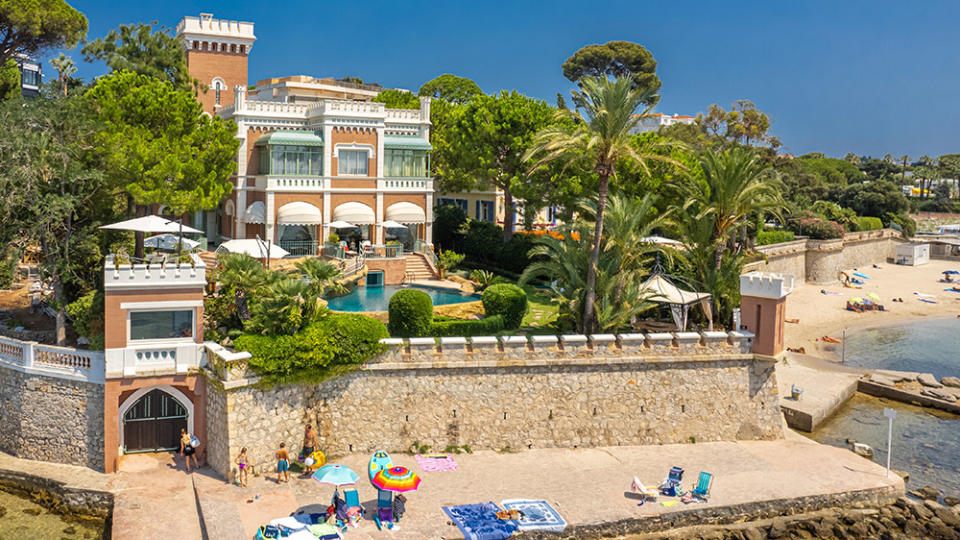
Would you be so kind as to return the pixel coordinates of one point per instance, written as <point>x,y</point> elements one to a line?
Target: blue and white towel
<point>479,521</point>
<point>537,514</point>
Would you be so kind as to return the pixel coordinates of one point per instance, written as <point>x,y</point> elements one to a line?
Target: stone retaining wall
<point>510,400</point>
<point>57,496</point>
<point>51,419</point>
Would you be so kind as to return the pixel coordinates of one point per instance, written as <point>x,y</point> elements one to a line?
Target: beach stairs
<point>417,268</point>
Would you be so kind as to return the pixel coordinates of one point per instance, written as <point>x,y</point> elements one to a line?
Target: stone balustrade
<point>535,350</point>
<point>61,362</point>
<point>118,274</point>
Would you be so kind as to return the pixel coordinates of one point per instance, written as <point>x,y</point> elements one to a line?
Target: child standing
<point>243,463</point>
<point>283,463</point>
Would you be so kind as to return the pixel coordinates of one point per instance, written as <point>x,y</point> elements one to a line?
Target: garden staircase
<point>417,268</point>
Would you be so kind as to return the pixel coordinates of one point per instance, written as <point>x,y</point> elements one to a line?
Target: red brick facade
<point>206,65</point>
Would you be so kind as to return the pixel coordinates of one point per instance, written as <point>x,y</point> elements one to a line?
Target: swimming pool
<point>378,298</point>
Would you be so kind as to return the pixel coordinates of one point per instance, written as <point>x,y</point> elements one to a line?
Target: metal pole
<point>843,348</point>
<point>889,443</point>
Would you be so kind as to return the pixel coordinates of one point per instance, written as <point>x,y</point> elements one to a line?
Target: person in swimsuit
<point>309,445</point>
<point>187,450</point>
<point>244,464</point>
<point>283,463</point>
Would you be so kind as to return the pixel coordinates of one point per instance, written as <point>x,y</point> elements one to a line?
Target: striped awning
<point>405,212</point>
<point>354,212</point>
<point>299,213</point>
<point>411,143</point>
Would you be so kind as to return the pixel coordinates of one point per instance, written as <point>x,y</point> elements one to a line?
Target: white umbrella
<point>169,241</point>
<point>340,225</point>
<point>253,247</point>
<point>151,224</point>
<point>660,240</point>
<point>390,224</point>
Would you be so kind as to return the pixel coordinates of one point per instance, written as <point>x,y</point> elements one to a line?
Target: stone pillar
<point>763,309</point>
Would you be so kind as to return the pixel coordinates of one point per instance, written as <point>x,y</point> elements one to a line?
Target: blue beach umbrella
<point>336,475</point>
<point>951,272</point>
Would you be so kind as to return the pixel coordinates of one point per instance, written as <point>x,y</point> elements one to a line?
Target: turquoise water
<point>926,442</point>
<point>378,298</point>
<point>925,346</point>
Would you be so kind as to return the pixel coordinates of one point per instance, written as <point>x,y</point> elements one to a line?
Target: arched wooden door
<point>153,423</point>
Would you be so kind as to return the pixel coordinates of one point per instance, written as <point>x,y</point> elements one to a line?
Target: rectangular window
<point>30,77</point>
<point>405,163</point>
<point>352,162</point>
<point>486,211</point>
<point>161,324</point>
<point>292,160</point>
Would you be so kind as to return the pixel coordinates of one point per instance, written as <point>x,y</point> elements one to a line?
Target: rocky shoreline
<point>906,518</point>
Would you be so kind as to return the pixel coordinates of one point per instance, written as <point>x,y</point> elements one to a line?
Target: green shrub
<point>901,222</point>
<point>8,271</point>
<point>506,300</point>
<point>867,223</point>
<point>340,339</point>
<point>467,327</point>
<point>765,238</point>
<point>86,313</point>
<point>410,312</point>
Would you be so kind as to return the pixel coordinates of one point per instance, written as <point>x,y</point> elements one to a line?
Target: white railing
<point>403,184</point>
<point>298,183</point>
<point>51,361</point>
<point>403,115</point>
<point>154,359</point>
<point>274,107</point>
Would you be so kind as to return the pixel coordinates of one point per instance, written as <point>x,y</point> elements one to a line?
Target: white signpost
<point>890,414</point>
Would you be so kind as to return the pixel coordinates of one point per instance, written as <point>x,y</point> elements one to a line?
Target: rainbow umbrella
<point>396,479</point>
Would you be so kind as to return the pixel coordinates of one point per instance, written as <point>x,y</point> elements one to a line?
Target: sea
<point>20,517</point>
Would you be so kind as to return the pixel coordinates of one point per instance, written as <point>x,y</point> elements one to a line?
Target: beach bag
<point>194,441</point>
<point>268,532</point>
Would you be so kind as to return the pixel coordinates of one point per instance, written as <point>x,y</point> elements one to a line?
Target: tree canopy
<point>450,88</point>
<point>32,26</point>
<point>158,145</point>
<point>616,59</point>
<point>398,99</point>
<point>140,49</point>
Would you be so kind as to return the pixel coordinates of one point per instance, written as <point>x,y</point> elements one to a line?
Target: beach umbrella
<point>396,479</point>
<point>151,224</point>
<point>340,225</point>
<point>168,241</point>
<point>873,296</point>
<point>337,475</point>
<point>856,300</point>
<point>253,247</point>
<point>950,272</point>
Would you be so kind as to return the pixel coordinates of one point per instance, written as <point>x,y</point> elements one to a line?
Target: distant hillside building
<point>31,74</point>
<point>655,121</point>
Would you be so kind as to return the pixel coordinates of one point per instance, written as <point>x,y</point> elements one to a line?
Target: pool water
<point>378,298</point>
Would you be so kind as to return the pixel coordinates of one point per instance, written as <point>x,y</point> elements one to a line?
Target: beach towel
<point>479,521</point>
<point>291,522</point>
<point>927,301</point>
<point>924,295</point>
<point>435,462</point>
<point>824,291</point>
<point>861,275</point>
<point>668,504</point>
<point>537,514</point>
<point>952,290</point>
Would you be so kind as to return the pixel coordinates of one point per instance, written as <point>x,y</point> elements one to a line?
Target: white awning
<point>354,212</point>
<point>299,213</point>
<point>660,290</point>
<point>405,212</point>
<point>256,213</point>
<point>253,247</point>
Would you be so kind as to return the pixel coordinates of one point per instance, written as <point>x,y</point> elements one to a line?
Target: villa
<point>653,122</point>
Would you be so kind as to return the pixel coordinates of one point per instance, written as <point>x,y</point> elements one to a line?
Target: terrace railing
<point>384,251</point>
<point>52,361</point>
<point>302,248</point>
<point>334,251</point>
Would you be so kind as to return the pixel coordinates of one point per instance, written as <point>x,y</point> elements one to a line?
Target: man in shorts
<point>283,463</point>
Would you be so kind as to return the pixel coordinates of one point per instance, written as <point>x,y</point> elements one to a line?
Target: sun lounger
<point>702,489</point>
<point>638,487</point>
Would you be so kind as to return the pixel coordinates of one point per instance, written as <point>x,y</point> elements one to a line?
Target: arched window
<point>218,85</point>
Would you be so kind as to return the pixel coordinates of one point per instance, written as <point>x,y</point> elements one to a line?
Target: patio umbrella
<point>151,224</point>
<point>337,475</point>
<point>169,241</point>
<point>396,479</point>
<point>340,225</point>
<point>390,224</point>
<point>253,247</point>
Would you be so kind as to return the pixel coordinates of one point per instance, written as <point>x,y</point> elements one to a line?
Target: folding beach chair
<point>702,489</point>
<point>671,484</point>
<point>384,509</point>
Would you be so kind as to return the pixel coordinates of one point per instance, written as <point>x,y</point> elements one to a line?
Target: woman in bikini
<point>244,464</point>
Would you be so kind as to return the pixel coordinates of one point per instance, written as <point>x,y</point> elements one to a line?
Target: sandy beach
<point>826,315</point>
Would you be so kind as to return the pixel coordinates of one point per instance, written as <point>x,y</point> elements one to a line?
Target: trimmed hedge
<point>339,339</point>
<point>467,327</point>
<point>506,300</point>
<point>867,223</point>
<point>410,312</point>
<point>765,238</point>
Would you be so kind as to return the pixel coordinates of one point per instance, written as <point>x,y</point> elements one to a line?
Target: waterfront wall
<point>514,395</point>
<point>51,418</point>
<point>820,261</point>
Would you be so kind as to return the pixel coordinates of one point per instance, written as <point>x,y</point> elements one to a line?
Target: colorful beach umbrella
<point>873,296</point>
<point>336,475</point>
<point>856,300</point>
<point>396,479</point>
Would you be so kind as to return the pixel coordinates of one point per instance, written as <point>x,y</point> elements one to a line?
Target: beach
<point>826,314</point>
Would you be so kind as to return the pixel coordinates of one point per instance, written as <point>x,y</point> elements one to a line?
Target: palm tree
<point>65,68</point>
<point>734,185</point>
<point>322,276</point>
<point>286,306</point>
<point>604,117</point>
<point>241,273</point>
<point>904,159</point>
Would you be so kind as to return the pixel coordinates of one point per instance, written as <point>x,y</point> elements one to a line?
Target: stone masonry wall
<point>629,401</point>
<point>51,419</point>
<point>217,437</point>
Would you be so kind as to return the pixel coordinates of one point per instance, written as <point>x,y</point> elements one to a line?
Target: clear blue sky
<point>869,77</point>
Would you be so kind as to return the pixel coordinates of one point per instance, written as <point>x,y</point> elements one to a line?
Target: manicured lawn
<point>541,313</point>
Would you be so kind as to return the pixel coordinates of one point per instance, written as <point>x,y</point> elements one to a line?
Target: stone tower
<point>763,304</point>
<point>217,53</point>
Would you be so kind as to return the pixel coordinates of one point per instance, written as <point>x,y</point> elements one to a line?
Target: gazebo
<point>661,290</point>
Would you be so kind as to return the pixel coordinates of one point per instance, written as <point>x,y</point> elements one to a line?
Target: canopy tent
<point>168,242</point>
<point>405,212</point>
<point>253,247</point>
<point>151,224</point>
<point>255,213</point>
<point>299,213</point>
<point>354,212</point>
<point>661,291</point>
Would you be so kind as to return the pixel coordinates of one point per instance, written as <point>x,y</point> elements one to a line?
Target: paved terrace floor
<point>587,486</point>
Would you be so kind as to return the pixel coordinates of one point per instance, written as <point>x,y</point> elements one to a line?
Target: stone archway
<point>151,418</point>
